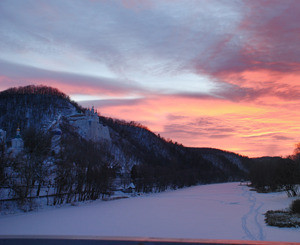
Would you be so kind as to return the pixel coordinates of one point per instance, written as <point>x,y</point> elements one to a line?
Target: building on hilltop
<point>17,144</point>
<point>89,127</point>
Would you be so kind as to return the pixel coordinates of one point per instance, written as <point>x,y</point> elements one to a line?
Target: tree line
<point>271,174</point>
<point>80,171</point>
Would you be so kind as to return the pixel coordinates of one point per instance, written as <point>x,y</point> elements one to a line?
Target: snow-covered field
<point>218,211</point>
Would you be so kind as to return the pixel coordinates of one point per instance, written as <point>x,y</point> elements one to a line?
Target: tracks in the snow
<point>252,228</point>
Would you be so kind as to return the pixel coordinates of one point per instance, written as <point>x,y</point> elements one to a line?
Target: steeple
<point>17,143</point>
<point>18,135</point>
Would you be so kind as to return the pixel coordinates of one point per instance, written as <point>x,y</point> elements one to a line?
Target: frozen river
<point>217,211</point>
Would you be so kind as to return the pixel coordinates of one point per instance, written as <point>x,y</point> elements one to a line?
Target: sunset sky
<point>205,73</point>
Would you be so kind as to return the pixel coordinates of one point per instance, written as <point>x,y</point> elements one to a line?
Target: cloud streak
<point>12,73</point>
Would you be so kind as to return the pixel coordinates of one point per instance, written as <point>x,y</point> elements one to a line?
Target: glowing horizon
<point>220,73</point>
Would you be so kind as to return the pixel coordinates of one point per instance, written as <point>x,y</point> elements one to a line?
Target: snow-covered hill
<point>216,211</point>
<point>84,155</point>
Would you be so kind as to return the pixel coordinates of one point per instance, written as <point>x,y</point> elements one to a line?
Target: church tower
<point>17,143</point>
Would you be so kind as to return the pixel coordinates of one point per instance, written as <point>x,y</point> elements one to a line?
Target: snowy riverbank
<point>218,211</point>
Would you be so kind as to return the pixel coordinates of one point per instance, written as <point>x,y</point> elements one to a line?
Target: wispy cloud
<point>12,74</point>
<point>111,103</point>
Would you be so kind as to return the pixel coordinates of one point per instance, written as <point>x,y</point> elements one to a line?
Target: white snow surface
<point>217,211</point>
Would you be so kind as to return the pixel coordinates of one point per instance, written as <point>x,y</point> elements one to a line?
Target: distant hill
<point>128,153</point>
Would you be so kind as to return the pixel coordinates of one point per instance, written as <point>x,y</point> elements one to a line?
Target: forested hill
<point>178,165</point>
<point>32,106</point>
<point>133,153</point>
